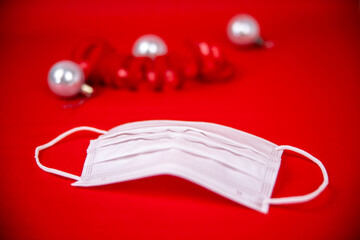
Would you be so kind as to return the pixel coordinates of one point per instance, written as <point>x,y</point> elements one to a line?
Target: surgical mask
<point>232,163</point>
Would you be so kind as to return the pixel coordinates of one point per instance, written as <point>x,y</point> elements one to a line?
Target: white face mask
<point>232,163</point>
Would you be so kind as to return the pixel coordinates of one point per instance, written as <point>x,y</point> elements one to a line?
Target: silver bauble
<point>66,78</point>
<point>149,46</point>
<point>243,29</point>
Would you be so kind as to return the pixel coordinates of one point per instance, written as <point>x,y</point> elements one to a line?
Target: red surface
<point>303,92</point>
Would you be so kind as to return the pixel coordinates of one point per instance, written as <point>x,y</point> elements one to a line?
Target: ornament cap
<point>87,90</point>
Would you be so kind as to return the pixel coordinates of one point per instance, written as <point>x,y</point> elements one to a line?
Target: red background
<point>304,92</point>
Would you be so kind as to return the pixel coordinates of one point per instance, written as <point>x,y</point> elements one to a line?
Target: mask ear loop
<point>306,197</point>
<point>54,141</point>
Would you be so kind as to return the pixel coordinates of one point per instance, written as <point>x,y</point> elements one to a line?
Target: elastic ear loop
<point>57,139</point>
<point>306,197</point>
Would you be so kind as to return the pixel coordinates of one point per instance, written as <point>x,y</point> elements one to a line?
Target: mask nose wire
<point>56,140</point>
<point>306,197</point>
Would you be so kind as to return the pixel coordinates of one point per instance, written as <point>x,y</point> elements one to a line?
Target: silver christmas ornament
<point>67,79</point>
<point>243,30</point>
<point>149,46</point>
